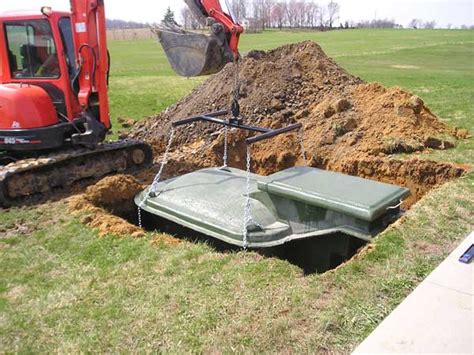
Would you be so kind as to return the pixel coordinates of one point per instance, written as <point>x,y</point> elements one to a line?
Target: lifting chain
<point>235,107</point>
<point>164,161</point>
<point>226,142</point>
<point>303,150</point>
<point>247,206</point>
<point>157,178</point>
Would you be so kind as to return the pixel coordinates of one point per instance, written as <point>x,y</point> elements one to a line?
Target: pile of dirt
<point>114,193</point>
<point>107,205</point>
<point>348,125</point>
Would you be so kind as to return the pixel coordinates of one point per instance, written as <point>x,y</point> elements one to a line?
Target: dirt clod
<point>126,122</point>
<point>416,104</point>
<point>462,133</point>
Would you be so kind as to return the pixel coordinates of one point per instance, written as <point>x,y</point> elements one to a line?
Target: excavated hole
<point>115,196</point>
<point>315,255</point>
<point>349,126</point>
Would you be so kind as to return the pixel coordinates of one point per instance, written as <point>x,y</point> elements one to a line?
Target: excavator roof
<point>5,15</point>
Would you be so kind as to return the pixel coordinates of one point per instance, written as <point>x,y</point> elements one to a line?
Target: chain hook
<point>247,205</point>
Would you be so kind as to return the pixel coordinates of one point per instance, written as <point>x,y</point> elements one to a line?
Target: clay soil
<point>349,126</point>
<point>107,206</point>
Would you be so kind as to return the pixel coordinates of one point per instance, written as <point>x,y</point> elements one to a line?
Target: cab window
<point>65,29</point>
<point>31,49</point>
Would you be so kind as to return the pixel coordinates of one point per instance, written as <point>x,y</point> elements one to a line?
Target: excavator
<point>54,110</point>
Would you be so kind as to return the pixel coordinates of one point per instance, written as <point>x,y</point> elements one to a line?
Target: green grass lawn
<point>64,289</point>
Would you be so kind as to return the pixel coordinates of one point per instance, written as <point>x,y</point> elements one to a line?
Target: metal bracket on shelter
<point>266,133</point>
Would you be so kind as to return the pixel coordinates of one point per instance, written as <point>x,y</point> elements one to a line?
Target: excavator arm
<point>212,9</point>
<point>195,53</point>
<point>90,38</point>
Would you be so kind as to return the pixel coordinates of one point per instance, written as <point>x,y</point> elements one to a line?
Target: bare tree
<point>186,17</point>
<point>333,12</point>
<point>300,13</point>
<point>429,25</point>
<point>322,17</point>
<point>380,23</point>
<point>281,13</point>
<point>240,9</point>
<point>267,11</point>
<point>190,22</point>
<point>312,11</point>
<point>262,12</point>
<point>292,13</point>
<point>415,23</point>
<point>278,14</point>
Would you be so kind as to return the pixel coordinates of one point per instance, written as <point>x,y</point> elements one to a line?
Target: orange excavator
<point>54,110</point>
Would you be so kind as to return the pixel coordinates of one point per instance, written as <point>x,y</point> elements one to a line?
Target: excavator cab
<point>196,53</point>
<point>54,109</point>
<point>35,47</point>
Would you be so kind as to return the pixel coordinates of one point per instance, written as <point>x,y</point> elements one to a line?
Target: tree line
<point>278,14</point>
<point>263,14</point>
<point>121,24</point>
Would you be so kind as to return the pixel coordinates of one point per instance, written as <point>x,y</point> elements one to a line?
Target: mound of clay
<point>345,120</point>
<point>298,83</point>
<point>114,193</point>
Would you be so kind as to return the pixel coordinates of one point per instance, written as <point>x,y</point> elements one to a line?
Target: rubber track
<point>59,171</point>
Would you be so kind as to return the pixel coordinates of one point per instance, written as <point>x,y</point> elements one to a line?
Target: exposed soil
<point>106,205</point>
<point>348,125</point>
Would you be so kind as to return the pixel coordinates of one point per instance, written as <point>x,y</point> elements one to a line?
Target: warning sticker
<point>80,27</point>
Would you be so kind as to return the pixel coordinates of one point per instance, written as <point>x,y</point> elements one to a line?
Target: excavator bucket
<point>192,53</point>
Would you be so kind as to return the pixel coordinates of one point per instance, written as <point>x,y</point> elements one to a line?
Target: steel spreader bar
<point>267,133</point>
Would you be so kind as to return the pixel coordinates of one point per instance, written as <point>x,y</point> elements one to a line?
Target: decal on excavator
<point>81,27</point>
<point>15,140</point>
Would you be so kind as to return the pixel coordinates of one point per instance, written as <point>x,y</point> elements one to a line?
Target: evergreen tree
<point>169,16</point>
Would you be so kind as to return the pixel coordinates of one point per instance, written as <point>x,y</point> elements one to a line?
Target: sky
<point>444,12</point>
